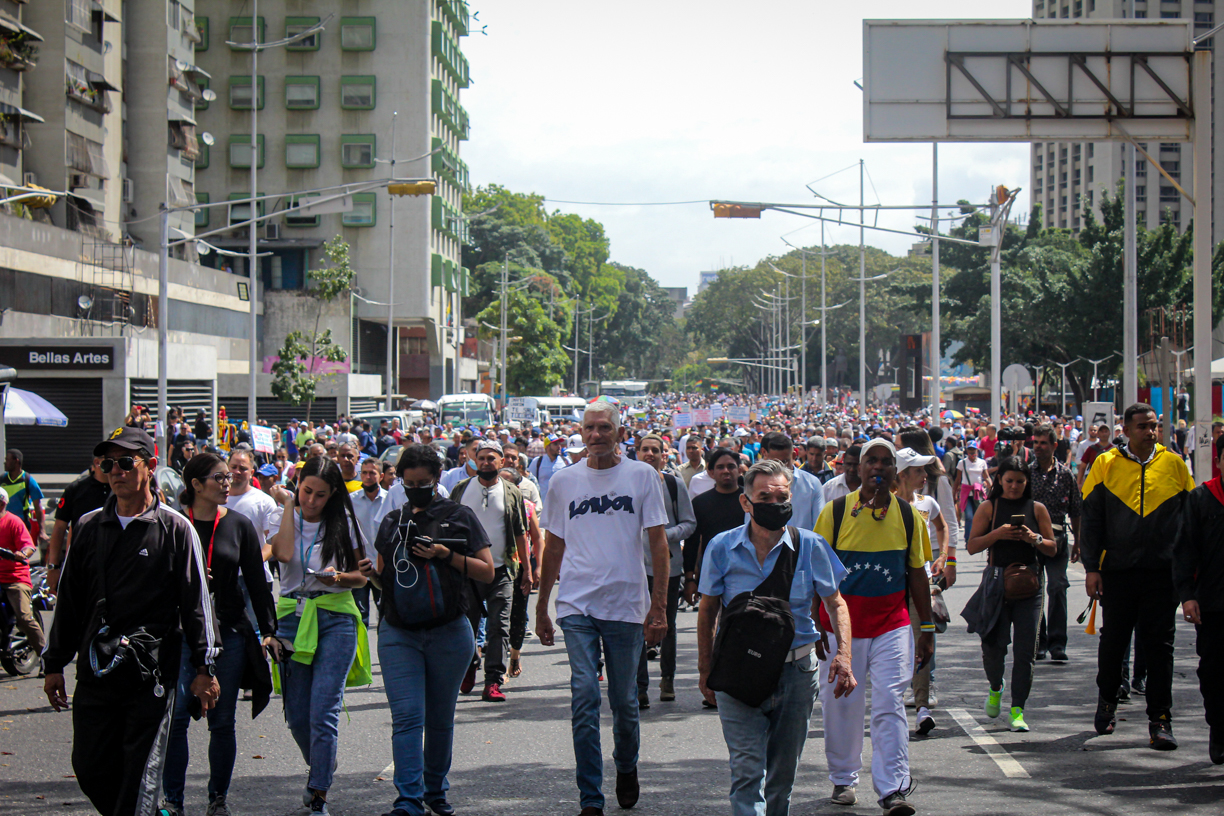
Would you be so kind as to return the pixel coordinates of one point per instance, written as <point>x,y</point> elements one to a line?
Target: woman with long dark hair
<point>319,546</point>
<point>232,553</point>
<point>425,639</point>
<point>1014,528</point>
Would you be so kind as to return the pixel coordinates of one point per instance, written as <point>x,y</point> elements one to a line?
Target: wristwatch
<point>208,668</point>
<point>51,567</point>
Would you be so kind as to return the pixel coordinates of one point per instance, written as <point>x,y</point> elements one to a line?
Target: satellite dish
<point>179,64</point>
<point>202,248</point>
<point>85,302</point>
<point>209,95</point>
<point>207,138</point>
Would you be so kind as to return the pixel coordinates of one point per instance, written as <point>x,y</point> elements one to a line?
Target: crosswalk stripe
<point>1010,767</point>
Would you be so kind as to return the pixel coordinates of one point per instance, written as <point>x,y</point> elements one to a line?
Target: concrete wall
<point>297,311</point>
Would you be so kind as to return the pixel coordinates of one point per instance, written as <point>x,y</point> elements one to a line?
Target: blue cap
<point>268,470</point>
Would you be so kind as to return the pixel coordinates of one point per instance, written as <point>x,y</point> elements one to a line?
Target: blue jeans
<point>222,744</point>
<point>421,671</point>
<point>766,742</point>
<point>314,694</point>
<point>622,648</point>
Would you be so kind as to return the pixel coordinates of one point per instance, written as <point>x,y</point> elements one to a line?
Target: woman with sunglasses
<point>319,546</point>
<point>423,661</point>
<point>232,553</point>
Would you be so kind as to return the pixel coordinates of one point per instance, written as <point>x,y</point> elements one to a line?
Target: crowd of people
<point>618,519</point>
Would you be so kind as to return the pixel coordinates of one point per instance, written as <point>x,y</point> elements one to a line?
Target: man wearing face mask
<point>739,561</point>
<point>885,551</point>
<point>499,507</point>
<point>807,493</point>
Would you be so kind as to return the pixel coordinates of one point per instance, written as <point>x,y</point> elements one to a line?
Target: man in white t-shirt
<point>595,514</point>
<point>246,498</point>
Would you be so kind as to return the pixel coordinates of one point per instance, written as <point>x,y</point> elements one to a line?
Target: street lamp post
<point>1063,381</point>
<point>1095,363</point>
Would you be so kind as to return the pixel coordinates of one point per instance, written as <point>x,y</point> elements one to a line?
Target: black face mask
<point>420,496</point>
<point>488,475</point>
<point>771,516</point>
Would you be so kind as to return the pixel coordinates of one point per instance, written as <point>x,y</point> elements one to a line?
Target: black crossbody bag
<point>755,634</point>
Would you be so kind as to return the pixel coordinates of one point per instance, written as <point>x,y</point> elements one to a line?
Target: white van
<point>406,418</point>
<point>560,409</point>
<point>478,410</point>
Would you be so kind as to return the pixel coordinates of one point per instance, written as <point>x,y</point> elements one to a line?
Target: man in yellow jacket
<point>1133,499</point>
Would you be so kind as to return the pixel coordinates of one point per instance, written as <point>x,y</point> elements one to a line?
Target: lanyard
<point>304,555</point>
<point>213,535</point>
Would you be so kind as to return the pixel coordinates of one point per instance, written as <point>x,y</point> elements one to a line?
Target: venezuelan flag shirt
<point>876,555</point>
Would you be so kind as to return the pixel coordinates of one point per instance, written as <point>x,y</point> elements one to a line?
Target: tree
<point>632,339</point>
<point>536,362</point>
<point>296,374</point>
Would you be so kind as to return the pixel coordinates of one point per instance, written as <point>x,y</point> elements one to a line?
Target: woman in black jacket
<point>1198,576</point>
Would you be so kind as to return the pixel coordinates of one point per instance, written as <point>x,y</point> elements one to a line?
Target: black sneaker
<point>441,808</point>
<point>1139,686</point>
<point>1215,747</point>
<point>895,805</point>
<point>627,789</point>
<point>1040,656</point>
<point>1058,656</point>
<point>1106,716</point>
<point>1123,694</point>
<point>1161,732</point>
<point>318,805</point>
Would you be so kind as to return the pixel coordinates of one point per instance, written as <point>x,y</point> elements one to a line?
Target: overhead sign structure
<point>1026,80</point>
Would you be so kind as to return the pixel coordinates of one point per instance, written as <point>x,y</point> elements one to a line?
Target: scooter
<point>17,654</point>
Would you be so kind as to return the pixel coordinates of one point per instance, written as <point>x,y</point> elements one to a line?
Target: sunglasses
<point>124,462</point>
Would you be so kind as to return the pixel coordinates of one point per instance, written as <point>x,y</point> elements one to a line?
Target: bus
<point>628,392</point>
<point>466,409</point>
<point>561,409</point>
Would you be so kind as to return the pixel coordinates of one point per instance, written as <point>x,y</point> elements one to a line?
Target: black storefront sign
<point>58,358</point>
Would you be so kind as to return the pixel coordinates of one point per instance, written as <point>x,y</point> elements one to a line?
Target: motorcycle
<point>17,654</point>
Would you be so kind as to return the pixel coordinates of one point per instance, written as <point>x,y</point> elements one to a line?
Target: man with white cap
<point>885,549</point>
<point>543,467</point>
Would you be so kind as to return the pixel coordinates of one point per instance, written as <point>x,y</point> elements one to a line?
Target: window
<point>357,150</point>
<point>183,137</point>
<point>1170,15</point>
<point>201,24</point>
<point>201,216</point>
<point>240,32</point>
<point>242,212</point>
<point>302,150</point>
<point>301,92</point>
<point>1173,167</point>
<point>174,14</point>
<point>296,25</point>
<point>77,14</point>
<point>301,220</point>
<point>1140,191</point>
<point>358,92</point>
<point>1091,168</point>
<point>362,214</point>
<point>202,82</point>
<point>357,34</point>
<point>1168,195</point>
<point>240,151</point>
<point>240,93</point>
<point>1140,15</point>
<point>1091,149</point>
<point>201,162</point>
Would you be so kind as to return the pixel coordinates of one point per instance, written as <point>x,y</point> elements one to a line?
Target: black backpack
<point>755,634</point>
<point>420,593</point>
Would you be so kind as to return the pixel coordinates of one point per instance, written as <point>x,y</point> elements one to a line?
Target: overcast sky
<point>643,101</point>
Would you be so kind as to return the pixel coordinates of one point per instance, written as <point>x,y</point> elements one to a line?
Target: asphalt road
<point>515,758</point>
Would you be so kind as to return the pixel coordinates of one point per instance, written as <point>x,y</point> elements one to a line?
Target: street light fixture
<point>1095,363</point>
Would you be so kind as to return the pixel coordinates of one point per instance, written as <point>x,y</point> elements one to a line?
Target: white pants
<point>888,662</point>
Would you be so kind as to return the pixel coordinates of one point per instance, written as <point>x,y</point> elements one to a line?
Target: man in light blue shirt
<point>807,493</point>
<point>543,467</point>
<point>766,742</point>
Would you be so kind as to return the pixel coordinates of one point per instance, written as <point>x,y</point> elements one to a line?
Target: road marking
<point>389,772</point>
<point>1010,767</point>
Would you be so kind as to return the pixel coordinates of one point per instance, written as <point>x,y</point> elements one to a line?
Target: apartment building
<point>1067,177</point>
<point>326,109</point>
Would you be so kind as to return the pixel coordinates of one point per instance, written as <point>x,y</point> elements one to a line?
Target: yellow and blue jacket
<point>1132,510</point>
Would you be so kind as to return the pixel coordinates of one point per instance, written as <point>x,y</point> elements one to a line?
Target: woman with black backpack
<point>427,552</point>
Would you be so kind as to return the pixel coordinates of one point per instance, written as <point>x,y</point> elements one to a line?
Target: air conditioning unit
<point>272,232</point>
<point>129,192</point>
<point>77,180</point>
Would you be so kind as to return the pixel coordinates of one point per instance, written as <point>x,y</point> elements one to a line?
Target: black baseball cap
<point>128,438</point>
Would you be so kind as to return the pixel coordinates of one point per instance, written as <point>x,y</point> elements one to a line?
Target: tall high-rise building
<point>327,107</point>
<point>1067,177</point>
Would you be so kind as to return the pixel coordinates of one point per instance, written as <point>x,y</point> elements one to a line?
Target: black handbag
<point>755,635</point>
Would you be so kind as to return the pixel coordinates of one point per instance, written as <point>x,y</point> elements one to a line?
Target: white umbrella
<point>27,408</point>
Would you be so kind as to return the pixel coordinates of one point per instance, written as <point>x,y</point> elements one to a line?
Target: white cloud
<point>674,101</point>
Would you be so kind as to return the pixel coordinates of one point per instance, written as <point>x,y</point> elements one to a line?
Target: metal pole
<point>803,332</point>
<point>1130,281</point>
<point>824,316</point>
<point>1202,265</point>
<point>591,344</point>
<point>253,251</point>
<point>163,332</point>
<point>996,314</point>
<point>862,301</point>
<point>936,386</point>
<point>391,284</point>
<point>577,320</point>
<point>789,374</point>
<point>504,294</point>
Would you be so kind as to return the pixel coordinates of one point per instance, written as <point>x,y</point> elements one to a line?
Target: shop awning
<point>18,28</point>
<point>21,113</point>
<point>100,82</point>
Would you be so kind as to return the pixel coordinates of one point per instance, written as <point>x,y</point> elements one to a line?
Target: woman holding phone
<point>1014,528</point>
<point>232,554</point>
<point>319,546</point>
<point>427,552</point>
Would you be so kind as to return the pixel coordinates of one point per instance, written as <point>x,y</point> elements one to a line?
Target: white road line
<point>1010,767</point>
<point>389,772</point>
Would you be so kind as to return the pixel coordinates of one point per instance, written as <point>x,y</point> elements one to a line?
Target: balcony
<point>17,50</point>
<point>91,94</point>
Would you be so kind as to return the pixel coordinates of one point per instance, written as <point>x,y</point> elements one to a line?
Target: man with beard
<point>370,504</point>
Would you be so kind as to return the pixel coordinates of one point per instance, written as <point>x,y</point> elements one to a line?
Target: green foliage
<point>536,362</point>
<point>295,375</point>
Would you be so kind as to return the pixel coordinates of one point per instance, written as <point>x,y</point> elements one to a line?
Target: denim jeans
<point>766,742</point>
<point>421,671</point>
<point>314,693</point>
<point>622,648</point>
<point>222,744</point>
<point>667,649</point>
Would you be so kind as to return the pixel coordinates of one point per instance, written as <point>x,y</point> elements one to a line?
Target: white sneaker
<point>926,723</point>
<point>909,698</point>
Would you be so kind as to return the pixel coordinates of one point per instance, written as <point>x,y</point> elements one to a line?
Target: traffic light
<point>412,188</point>
<point>722,210</point>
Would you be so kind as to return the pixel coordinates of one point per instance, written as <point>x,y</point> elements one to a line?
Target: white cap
<point>575,441</point>
<point>908,458</point>
<point>878,442</point>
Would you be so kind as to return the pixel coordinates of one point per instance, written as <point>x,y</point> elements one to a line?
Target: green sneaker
<point>993,701</point>
<point>1015,719</point>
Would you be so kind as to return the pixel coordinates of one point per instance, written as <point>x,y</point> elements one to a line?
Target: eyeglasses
<point>124,462</point>
<point>222,478</point>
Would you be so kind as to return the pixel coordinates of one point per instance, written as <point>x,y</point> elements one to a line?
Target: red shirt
<point>987,444</point>
<point>15,537</point>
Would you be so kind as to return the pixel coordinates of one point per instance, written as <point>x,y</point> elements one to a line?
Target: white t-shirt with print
<point>927,508</point>
<point>308,548</point>
<point>601,515</point>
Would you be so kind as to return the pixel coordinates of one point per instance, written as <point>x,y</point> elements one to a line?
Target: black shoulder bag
<point>755,634</point>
